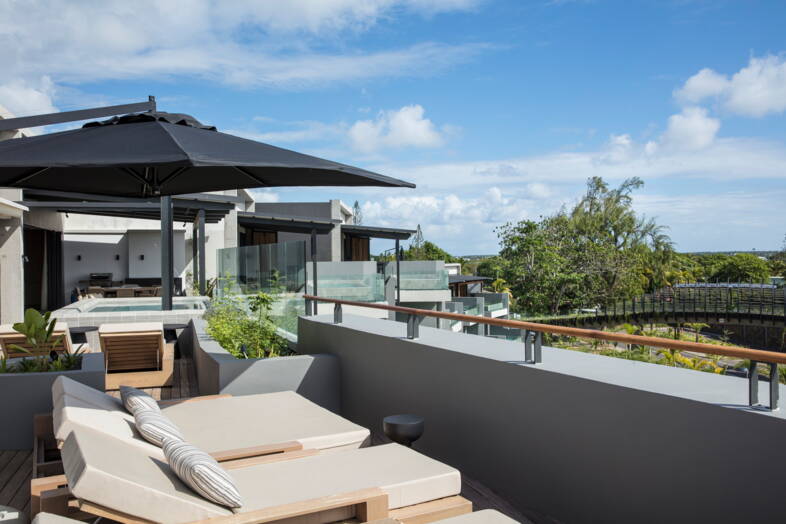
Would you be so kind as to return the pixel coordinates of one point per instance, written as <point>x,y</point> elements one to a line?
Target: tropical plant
<point>242,325</point>
<point>697,327</point>
<point>37,329</point>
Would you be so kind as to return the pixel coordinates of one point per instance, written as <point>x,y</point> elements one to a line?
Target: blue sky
<point>498,110</point>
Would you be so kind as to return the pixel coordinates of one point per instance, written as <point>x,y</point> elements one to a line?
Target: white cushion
<point>130,479</point>
<point>266,418</point>
<point>486,516</point>
<point>126,478</point>
<point>156,427</point>
<point>201,473</point>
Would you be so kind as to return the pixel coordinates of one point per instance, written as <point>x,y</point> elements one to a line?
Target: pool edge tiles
<point>84,312</point>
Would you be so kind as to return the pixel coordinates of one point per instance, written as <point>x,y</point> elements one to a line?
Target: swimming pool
<point>118,308</point>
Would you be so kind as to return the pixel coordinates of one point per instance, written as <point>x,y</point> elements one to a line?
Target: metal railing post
<point>538,336</point>
<point>309,308</point>
<point>413,326</point>
<point>774,386</point>
<point>527,346</point>
<point>753,383</point>
<point>337,316</point>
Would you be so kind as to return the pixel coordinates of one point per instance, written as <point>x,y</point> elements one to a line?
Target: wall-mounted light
<point>79,257</point>
<point>117,257</point>
<point>141,257</point>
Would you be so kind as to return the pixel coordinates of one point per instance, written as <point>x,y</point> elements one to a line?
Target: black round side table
<point>404,429</point>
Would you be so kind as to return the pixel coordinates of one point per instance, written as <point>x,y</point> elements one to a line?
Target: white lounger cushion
<point>213,425</point>
<point>132,480</point>
<point>486,516</point>
<point>51,518</point>
<point>252,420</point>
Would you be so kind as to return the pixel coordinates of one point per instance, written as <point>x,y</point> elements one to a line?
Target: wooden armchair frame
<point>12,337</point>
<point>127,353</point>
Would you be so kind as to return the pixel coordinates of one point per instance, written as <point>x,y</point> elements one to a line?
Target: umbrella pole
<point>167,252</point>
<point>202,277</point>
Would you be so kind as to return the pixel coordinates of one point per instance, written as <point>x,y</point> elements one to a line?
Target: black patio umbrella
<point>155,154</point>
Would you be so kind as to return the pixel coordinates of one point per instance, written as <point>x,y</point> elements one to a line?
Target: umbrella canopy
<point>156,153</point>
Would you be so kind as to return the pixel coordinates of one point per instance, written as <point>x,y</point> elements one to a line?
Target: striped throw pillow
<point>201,473</point>
<point>134,399</point>
<point>154,426</point>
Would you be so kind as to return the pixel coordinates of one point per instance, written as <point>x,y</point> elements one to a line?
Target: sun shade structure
<point>157,154</point>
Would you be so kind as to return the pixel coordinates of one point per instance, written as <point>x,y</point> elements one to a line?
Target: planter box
<point>23,395</point>
<point>316,377</point>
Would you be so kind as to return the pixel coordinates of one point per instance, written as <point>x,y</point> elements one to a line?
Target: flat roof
<point>184,210</point>
<point>292,224</point>
<point>377,232</point>
<point>461,279</point>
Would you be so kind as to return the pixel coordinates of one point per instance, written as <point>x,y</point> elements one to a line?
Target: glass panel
<point>360,287</point>
<point>273,268</point>
<point>276,269</point>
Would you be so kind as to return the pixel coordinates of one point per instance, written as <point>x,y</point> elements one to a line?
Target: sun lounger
<point>486,516</point>
<point>9,336</point>
<point>118,480</point>
<point>225,426</point>
<point>136,354</point>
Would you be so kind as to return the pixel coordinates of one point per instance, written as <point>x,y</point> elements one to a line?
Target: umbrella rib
<point>143,180</point>
<point>177,172</point>
<point>251,176</point>
<point>27,176</point>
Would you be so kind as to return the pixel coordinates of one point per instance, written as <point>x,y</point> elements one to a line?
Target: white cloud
<point>238,43</point>
<point>405,127</point>
<point>690,130</point>
<point>704,84</point>
<point>22,98</point>
<point>264,195</point>
<point>756,90</point>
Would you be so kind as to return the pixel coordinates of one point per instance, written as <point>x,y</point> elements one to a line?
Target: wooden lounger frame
<point>48,467</point>
<point>370,504</point>
<point>127,354</point>
<point>63,345</point>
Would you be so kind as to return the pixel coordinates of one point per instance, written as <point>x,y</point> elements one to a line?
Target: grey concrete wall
<point>316,377</point>
<point>11,270</point>
<point>97,252</point>
<point>581,438</point>
<point>26,394</point>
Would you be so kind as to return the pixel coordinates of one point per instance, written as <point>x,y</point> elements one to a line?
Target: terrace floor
<point>16,465</point>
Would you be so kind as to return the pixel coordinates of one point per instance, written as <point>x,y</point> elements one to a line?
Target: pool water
<point>139,307</point>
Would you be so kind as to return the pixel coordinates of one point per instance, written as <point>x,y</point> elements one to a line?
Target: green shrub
<point>236,322</point>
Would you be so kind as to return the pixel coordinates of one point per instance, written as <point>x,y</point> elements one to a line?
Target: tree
<point>415,251</point>
<point>357,214</point>
<point>744,267</point>
<point>428,251</point>
<point>598,252</point>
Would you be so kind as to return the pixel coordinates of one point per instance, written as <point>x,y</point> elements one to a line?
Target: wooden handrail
<point>682,345</point>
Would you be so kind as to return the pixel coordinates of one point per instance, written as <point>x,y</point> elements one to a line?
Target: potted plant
<point>38,331</point>
<point>26,382</point>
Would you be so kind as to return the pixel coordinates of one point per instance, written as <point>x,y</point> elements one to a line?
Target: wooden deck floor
<point>16,466</point>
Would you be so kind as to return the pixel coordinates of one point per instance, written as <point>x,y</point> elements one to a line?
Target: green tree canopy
<point>743,267</point>
<point>597,252</point>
